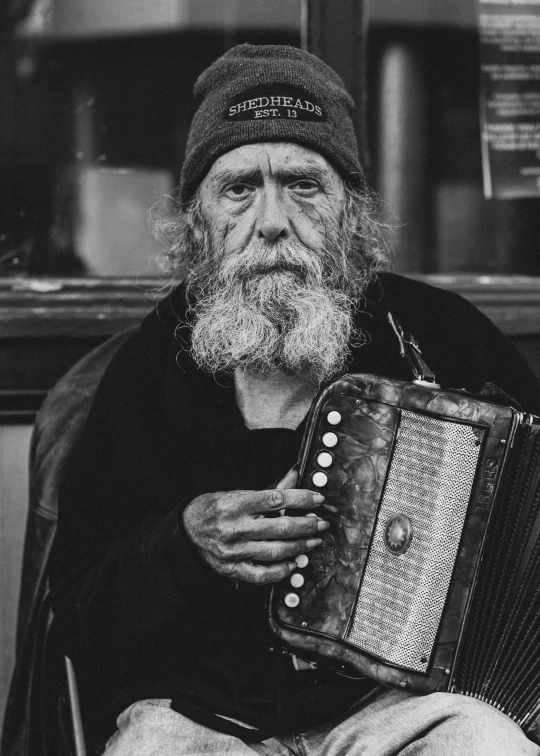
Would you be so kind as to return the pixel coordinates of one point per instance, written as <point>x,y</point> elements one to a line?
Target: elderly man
<point>165,549</point>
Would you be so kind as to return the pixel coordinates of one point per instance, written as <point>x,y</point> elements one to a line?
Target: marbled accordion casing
<point>429,576</point>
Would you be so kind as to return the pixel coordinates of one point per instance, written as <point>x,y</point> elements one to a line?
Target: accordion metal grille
<point>402,596</point>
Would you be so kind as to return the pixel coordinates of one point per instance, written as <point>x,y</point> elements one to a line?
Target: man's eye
<point>238,190</point>
<point>305,186</point>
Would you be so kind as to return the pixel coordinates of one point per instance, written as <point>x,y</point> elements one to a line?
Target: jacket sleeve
<point>122,566</point>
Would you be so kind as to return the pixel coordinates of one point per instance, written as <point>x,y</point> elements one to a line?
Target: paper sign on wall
<point>510,97</point>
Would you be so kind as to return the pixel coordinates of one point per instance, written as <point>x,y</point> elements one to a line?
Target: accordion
<point>429,575</point>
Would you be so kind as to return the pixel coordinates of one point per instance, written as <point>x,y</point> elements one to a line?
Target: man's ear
<point>197,230</point>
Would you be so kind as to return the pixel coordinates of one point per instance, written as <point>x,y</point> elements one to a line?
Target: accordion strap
<point>410,350</point>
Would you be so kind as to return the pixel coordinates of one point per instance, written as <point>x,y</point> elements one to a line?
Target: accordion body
<point>429,575</point>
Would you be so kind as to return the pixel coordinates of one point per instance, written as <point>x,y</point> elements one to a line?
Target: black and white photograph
<point>269,377</point>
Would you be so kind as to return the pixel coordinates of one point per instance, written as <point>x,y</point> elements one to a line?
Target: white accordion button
<point>324,459</point>
<point>319,479</point>
<point>302,560</point>
<point>330,439</point>
<point>297,580</point>
<point>292,600</point>
<point>333,417</point>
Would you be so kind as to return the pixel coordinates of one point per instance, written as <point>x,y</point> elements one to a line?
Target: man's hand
<point>234,536</point>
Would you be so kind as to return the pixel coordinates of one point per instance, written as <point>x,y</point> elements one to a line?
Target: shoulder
<point>148,348</point>
<point>139,366</point>
<point>435,311</point>
<point>458,341</point>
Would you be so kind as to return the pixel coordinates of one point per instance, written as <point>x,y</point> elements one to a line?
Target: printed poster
<point>510,97</point>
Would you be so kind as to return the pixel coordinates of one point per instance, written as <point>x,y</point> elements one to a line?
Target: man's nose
<point>272,217</point>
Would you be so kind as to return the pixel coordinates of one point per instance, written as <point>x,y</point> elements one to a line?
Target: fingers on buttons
<point>302,560</point>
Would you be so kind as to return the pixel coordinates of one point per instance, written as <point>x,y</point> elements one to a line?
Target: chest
<point>274,401</point>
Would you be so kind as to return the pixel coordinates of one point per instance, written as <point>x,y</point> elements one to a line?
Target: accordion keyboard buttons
<point>302,560</point>
<point>292,600</point>
<point>329,439</point>
<point>324,459</point>
<point>333,417</point>
<point>296,580</point>
<point>319,479</point>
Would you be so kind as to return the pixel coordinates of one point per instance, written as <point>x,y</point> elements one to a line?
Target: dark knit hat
<point>270,93</point>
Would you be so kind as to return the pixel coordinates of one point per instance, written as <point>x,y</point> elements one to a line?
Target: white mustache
<point>264,258</point>
<point>278,305</point>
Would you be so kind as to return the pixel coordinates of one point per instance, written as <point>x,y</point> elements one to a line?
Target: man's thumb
<point>289,480</point>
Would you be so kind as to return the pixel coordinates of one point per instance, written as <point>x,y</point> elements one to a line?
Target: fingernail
<point>318,498</point>
<point>323,525</point>
<point>312,542</point>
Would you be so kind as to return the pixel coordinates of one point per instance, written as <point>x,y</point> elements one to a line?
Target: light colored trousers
<point>394,722</point>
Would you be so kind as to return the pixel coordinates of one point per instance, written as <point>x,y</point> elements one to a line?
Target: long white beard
<point>273,306</point>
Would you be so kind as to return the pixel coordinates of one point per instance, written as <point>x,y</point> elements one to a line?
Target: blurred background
<point>95,105</point>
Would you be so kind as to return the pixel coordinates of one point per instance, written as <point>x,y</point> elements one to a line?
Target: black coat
<point>37,719</point>
<point>140,614</point>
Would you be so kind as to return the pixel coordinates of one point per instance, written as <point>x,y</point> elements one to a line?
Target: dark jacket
<point>37,717</point>
<point>139,613</point>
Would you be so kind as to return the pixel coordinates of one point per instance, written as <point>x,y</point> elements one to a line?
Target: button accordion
<point>429,575</point>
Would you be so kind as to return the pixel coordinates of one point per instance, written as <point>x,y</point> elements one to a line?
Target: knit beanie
<point>269,93</point>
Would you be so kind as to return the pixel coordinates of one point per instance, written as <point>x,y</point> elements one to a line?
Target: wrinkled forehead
<point>271,160</point>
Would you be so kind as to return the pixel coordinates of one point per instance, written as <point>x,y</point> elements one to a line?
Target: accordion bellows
<point>429,576</point>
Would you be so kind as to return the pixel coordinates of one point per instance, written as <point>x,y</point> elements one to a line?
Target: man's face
<point>271,192</point>
<point>270,273</point>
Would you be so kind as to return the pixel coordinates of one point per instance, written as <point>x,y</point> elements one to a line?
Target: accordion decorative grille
<point>402,596</point>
